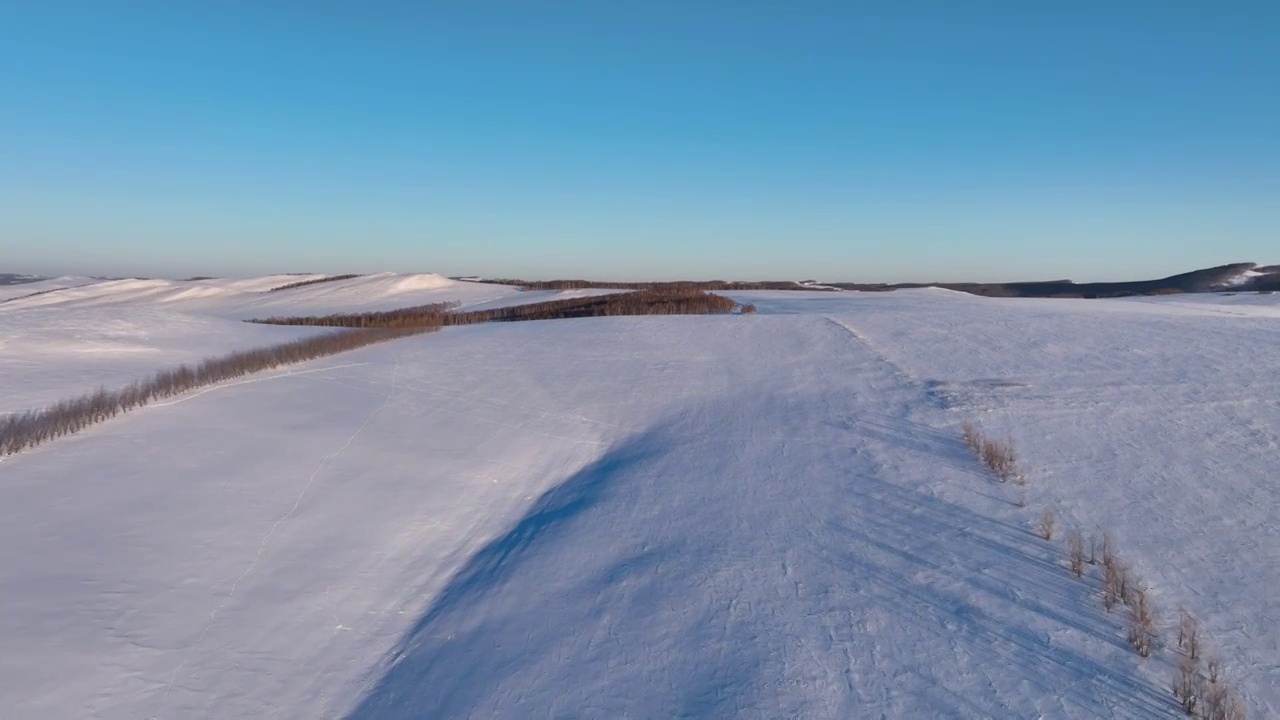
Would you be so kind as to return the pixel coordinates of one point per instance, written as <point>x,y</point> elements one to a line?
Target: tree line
<point>667,300</point>
<point>35,427</point>
<point>312,281</point>
<point>712,285</point>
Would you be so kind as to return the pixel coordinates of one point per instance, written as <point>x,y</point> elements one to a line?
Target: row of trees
<point>313,281</point>
<point>34,427</point>
<point>668,300</point>
<point>419,316</point>
<point>720,285</point>
<point>31,295</point>
<point>1198,684</point>
<point>1199,687</point>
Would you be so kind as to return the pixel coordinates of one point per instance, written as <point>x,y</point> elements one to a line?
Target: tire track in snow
<point>898,370</point>
<point>266,539</point>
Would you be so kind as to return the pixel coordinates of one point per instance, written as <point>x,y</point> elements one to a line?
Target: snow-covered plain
<point>759,516</point>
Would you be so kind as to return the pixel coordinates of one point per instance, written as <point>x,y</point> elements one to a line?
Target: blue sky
<point>838,140</point>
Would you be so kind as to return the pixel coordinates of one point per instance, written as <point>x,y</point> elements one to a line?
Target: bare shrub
<point>1094,542</point>
<point>1000,457</point>
<point>1075,553</point>
<point>1046,524</point>
<point>1142,623</point>
<point>748,309</point>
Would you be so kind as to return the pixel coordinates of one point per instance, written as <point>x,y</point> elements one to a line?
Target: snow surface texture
<point>761,516</point>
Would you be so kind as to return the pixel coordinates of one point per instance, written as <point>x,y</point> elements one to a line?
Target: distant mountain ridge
<point>1239,277</point>
<point>1236,277</point>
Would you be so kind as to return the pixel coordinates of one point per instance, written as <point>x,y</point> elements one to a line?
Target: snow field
<point>759,516</point>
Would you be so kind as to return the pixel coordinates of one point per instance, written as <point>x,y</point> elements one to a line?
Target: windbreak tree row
<point>312,281</point>
<point>686,284</point>
<point>419,316</point>
<point>665,301</point>
<point>35,427</point>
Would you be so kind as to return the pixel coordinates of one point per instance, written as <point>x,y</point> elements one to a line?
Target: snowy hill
<point>253,297</point>
<point>12,291</point>
<point>76,334</point>
<point>750,516</point>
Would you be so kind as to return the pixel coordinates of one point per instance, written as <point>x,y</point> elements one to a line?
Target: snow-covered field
<point>750,516</point>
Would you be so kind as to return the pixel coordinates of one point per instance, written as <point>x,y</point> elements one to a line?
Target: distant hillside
<point>1240,277</point>
<point>12,279</point>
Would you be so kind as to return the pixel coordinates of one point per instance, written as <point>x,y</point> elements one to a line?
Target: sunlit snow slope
<point>752,516</point>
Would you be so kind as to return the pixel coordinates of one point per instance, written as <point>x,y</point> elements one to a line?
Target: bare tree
<point>1218,700</point>
<point>1075,553</point>
<point>1221,703</point>
<point>1142,623</point>
<point>1107,546</point>
<point>1188,633</point>
<point>1115,580</point>
<point>1186,684</point>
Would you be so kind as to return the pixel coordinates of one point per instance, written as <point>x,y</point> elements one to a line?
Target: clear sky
<point>657,138</point>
